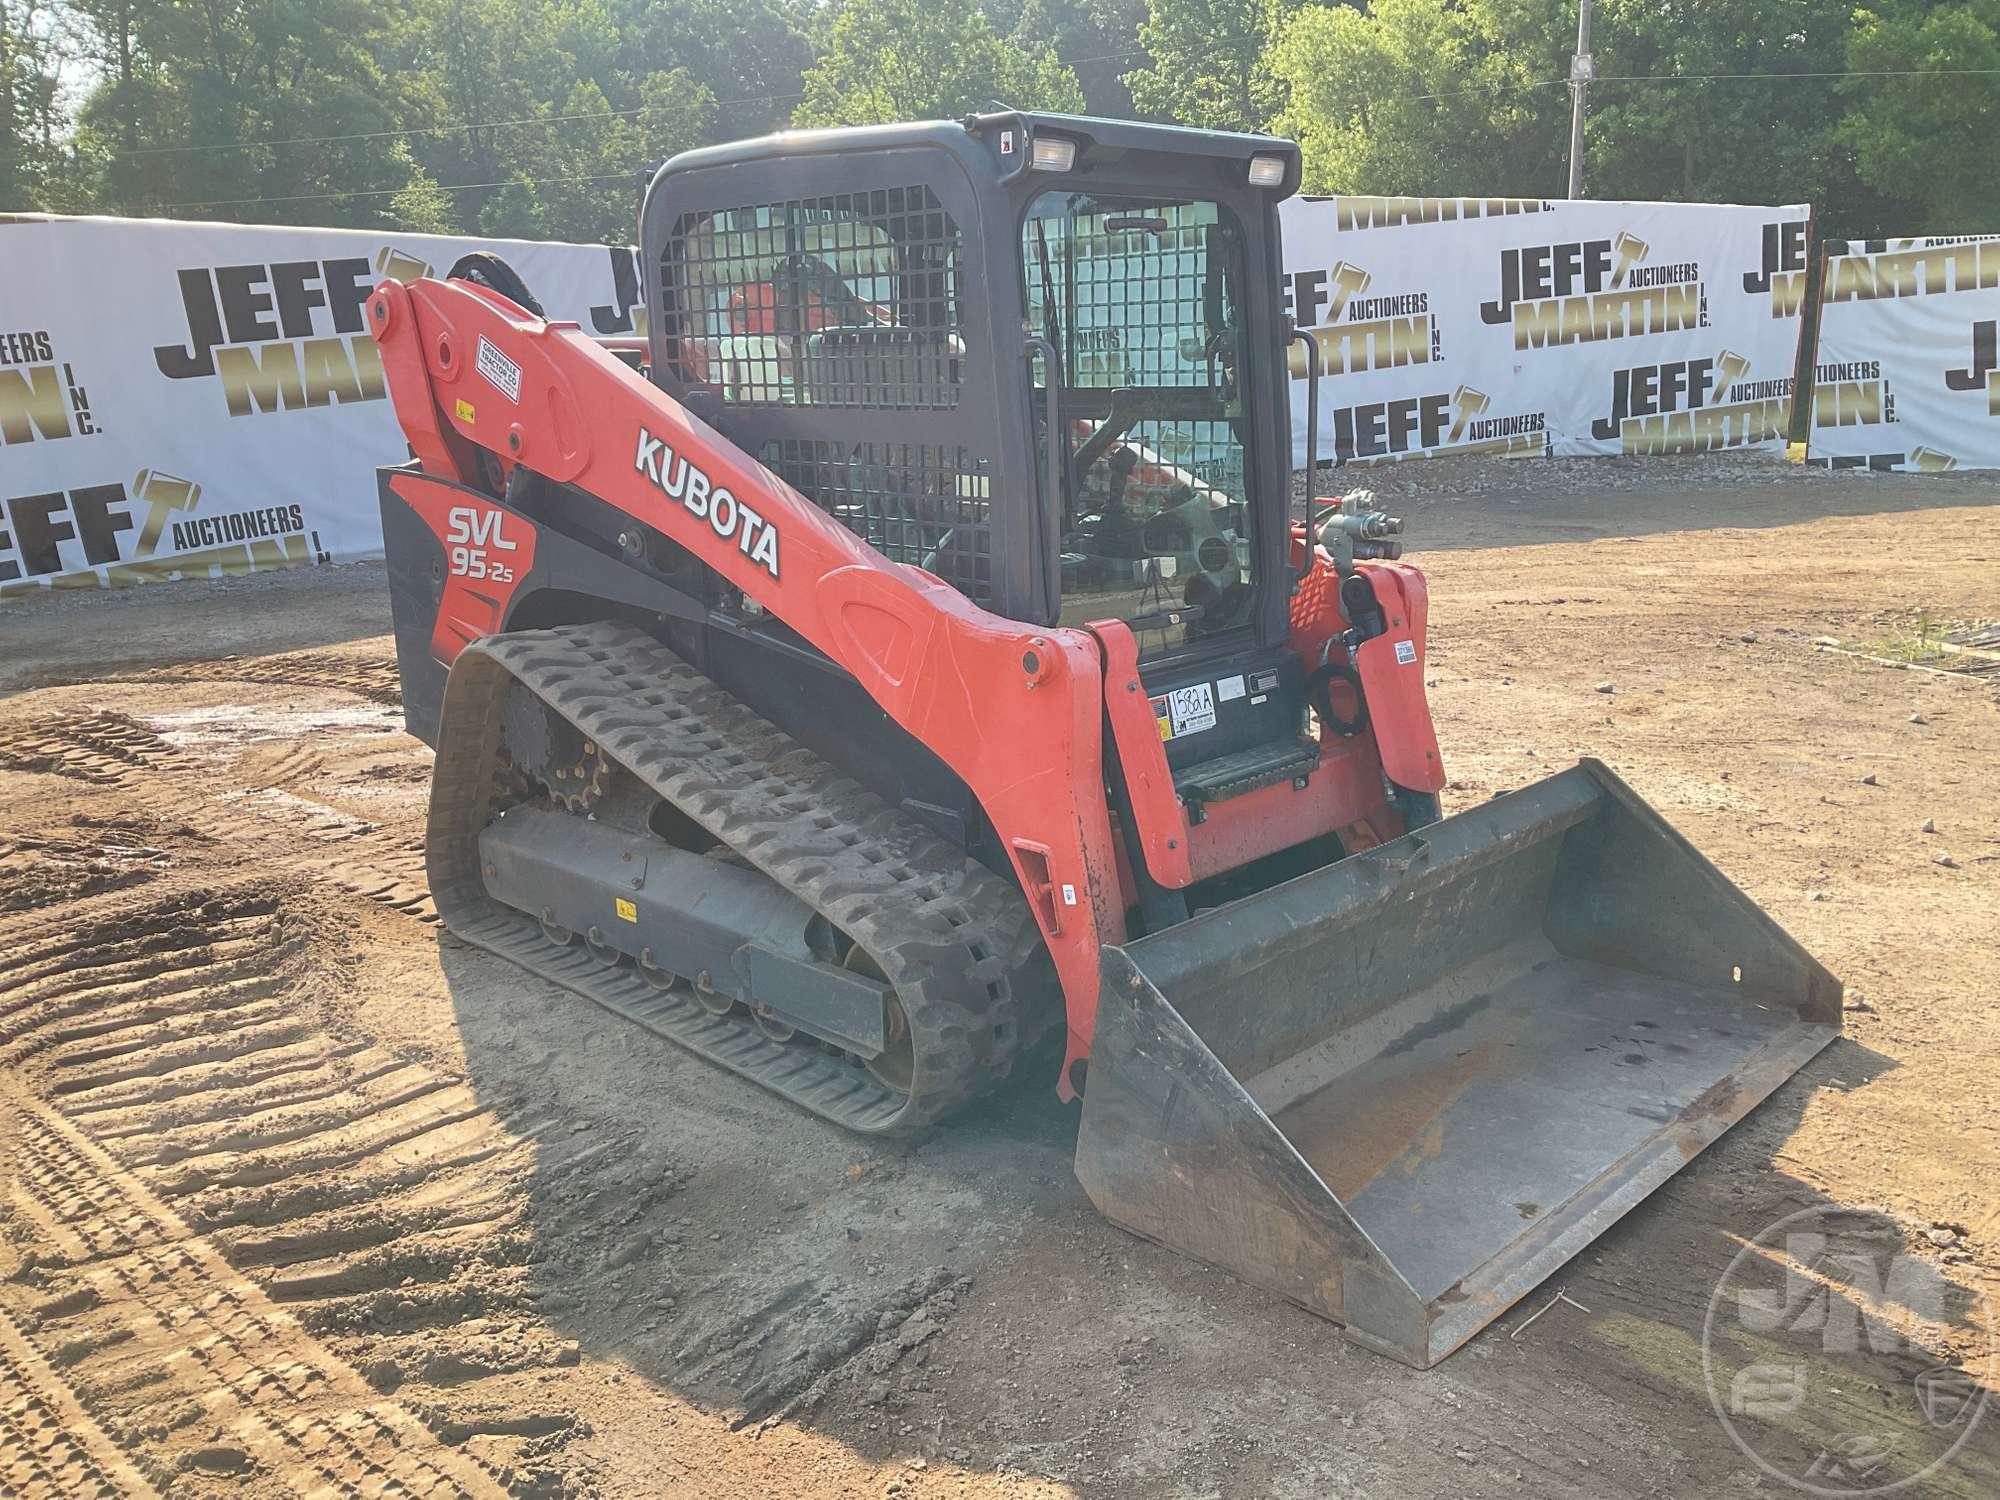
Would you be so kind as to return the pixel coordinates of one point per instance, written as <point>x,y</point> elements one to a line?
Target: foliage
<point>1927,141</point>
<point>1428,97</point>
<point>1098,40</point>
<point>1729,138</point>
<point>1732,101</point>
<point>1211,62</point>
<point>888,60</point>
<point>538,117</point>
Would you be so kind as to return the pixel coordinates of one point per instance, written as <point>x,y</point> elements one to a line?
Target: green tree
<point>1428,97</point>
<point>750,55</point>
<point>1738,116</point>
<point>423,206</point>
<point>252,109</point>
<point>1211,62</point>
<point>40,42</point>
<point>888,60</point>
<point>1097,40</point>
<point>582,182</point>
<point>1927,142</point>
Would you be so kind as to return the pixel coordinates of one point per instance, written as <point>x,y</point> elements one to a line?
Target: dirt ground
<point>303,1195</point>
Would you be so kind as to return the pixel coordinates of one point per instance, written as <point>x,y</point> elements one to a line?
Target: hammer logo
<point>164,494</point>
<point>1469,404</point>
<point>1348,281</point>
<point>392,264</point>
<point>1730,367</point>
<point>1631,250</point>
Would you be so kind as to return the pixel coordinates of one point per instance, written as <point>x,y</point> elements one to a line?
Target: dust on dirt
<point>303,1194</point>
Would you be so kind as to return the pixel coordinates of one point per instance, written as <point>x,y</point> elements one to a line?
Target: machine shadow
<point>723,1246</point>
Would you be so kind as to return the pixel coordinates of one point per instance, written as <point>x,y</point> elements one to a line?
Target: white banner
<point>1525,328</point>
<point>179,400</point>
<point>1907,376</point>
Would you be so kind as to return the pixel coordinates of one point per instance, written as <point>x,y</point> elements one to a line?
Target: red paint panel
<point>488,550</point>
<point>1345,790</point>
<point>1392,675</point>
<point>1156,810</point>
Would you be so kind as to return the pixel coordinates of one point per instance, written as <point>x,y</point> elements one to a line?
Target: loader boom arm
<point>1015,711</point>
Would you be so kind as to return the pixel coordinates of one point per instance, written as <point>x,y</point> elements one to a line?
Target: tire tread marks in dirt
<point>56,866</point>
<point>100,748</point>
<point>372,678</point>
<point>946,932</point>
<point>112,749</point>
<point>49,1445</point>
<point>219,1213</point>
<point>151,1296</point>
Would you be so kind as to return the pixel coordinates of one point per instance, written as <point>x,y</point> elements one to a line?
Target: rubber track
<point>947,933</point>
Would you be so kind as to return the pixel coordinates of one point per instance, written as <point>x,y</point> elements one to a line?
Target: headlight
<point>1053,153</point>
<point>1265,171</point>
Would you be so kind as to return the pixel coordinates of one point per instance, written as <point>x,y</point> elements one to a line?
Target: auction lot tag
<point>1187,710</point>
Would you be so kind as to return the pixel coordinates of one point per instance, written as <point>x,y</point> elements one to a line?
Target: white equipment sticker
<point>1406,653</point>
<point>1191,709</point>
<point>1230,687</point>
<point>501,372</point>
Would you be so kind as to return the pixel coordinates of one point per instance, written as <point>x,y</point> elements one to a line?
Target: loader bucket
<point>1402,1090</point>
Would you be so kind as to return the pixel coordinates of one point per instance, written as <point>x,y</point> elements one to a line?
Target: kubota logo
<point>680,478</point>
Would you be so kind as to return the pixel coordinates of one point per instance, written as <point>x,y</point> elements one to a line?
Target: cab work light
<point>1267,171</point>
<point>1052,153</point>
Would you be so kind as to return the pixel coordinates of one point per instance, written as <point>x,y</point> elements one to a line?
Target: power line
<point>469,126</point>
<point>409,130</point>
<point>1550,83</point>
<point>1841,73</point>
<point>462,187</point>
<point>447,187</point>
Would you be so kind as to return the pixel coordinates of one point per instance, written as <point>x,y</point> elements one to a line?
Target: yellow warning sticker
<point>626,910</point>
<point>467,414</point>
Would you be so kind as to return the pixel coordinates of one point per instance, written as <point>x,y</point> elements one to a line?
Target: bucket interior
<point>1476,1116</point>
<point>1476,1047</point>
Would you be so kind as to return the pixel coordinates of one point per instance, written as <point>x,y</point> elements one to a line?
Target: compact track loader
<point>917,652</point>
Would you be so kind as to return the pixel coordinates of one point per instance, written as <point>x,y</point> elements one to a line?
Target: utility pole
<point>1580,73</point>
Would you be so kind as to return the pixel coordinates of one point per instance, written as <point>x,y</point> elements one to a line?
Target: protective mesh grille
<point>918,503</point>
<point>1132,293</point>
<point>849,300</point>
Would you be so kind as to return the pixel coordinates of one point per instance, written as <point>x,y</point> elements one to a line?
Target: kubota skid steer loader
<point>923,654</point>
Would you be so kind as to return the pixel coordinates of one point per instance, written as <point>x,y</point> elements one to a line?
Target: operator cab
<point>1040,356</point>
